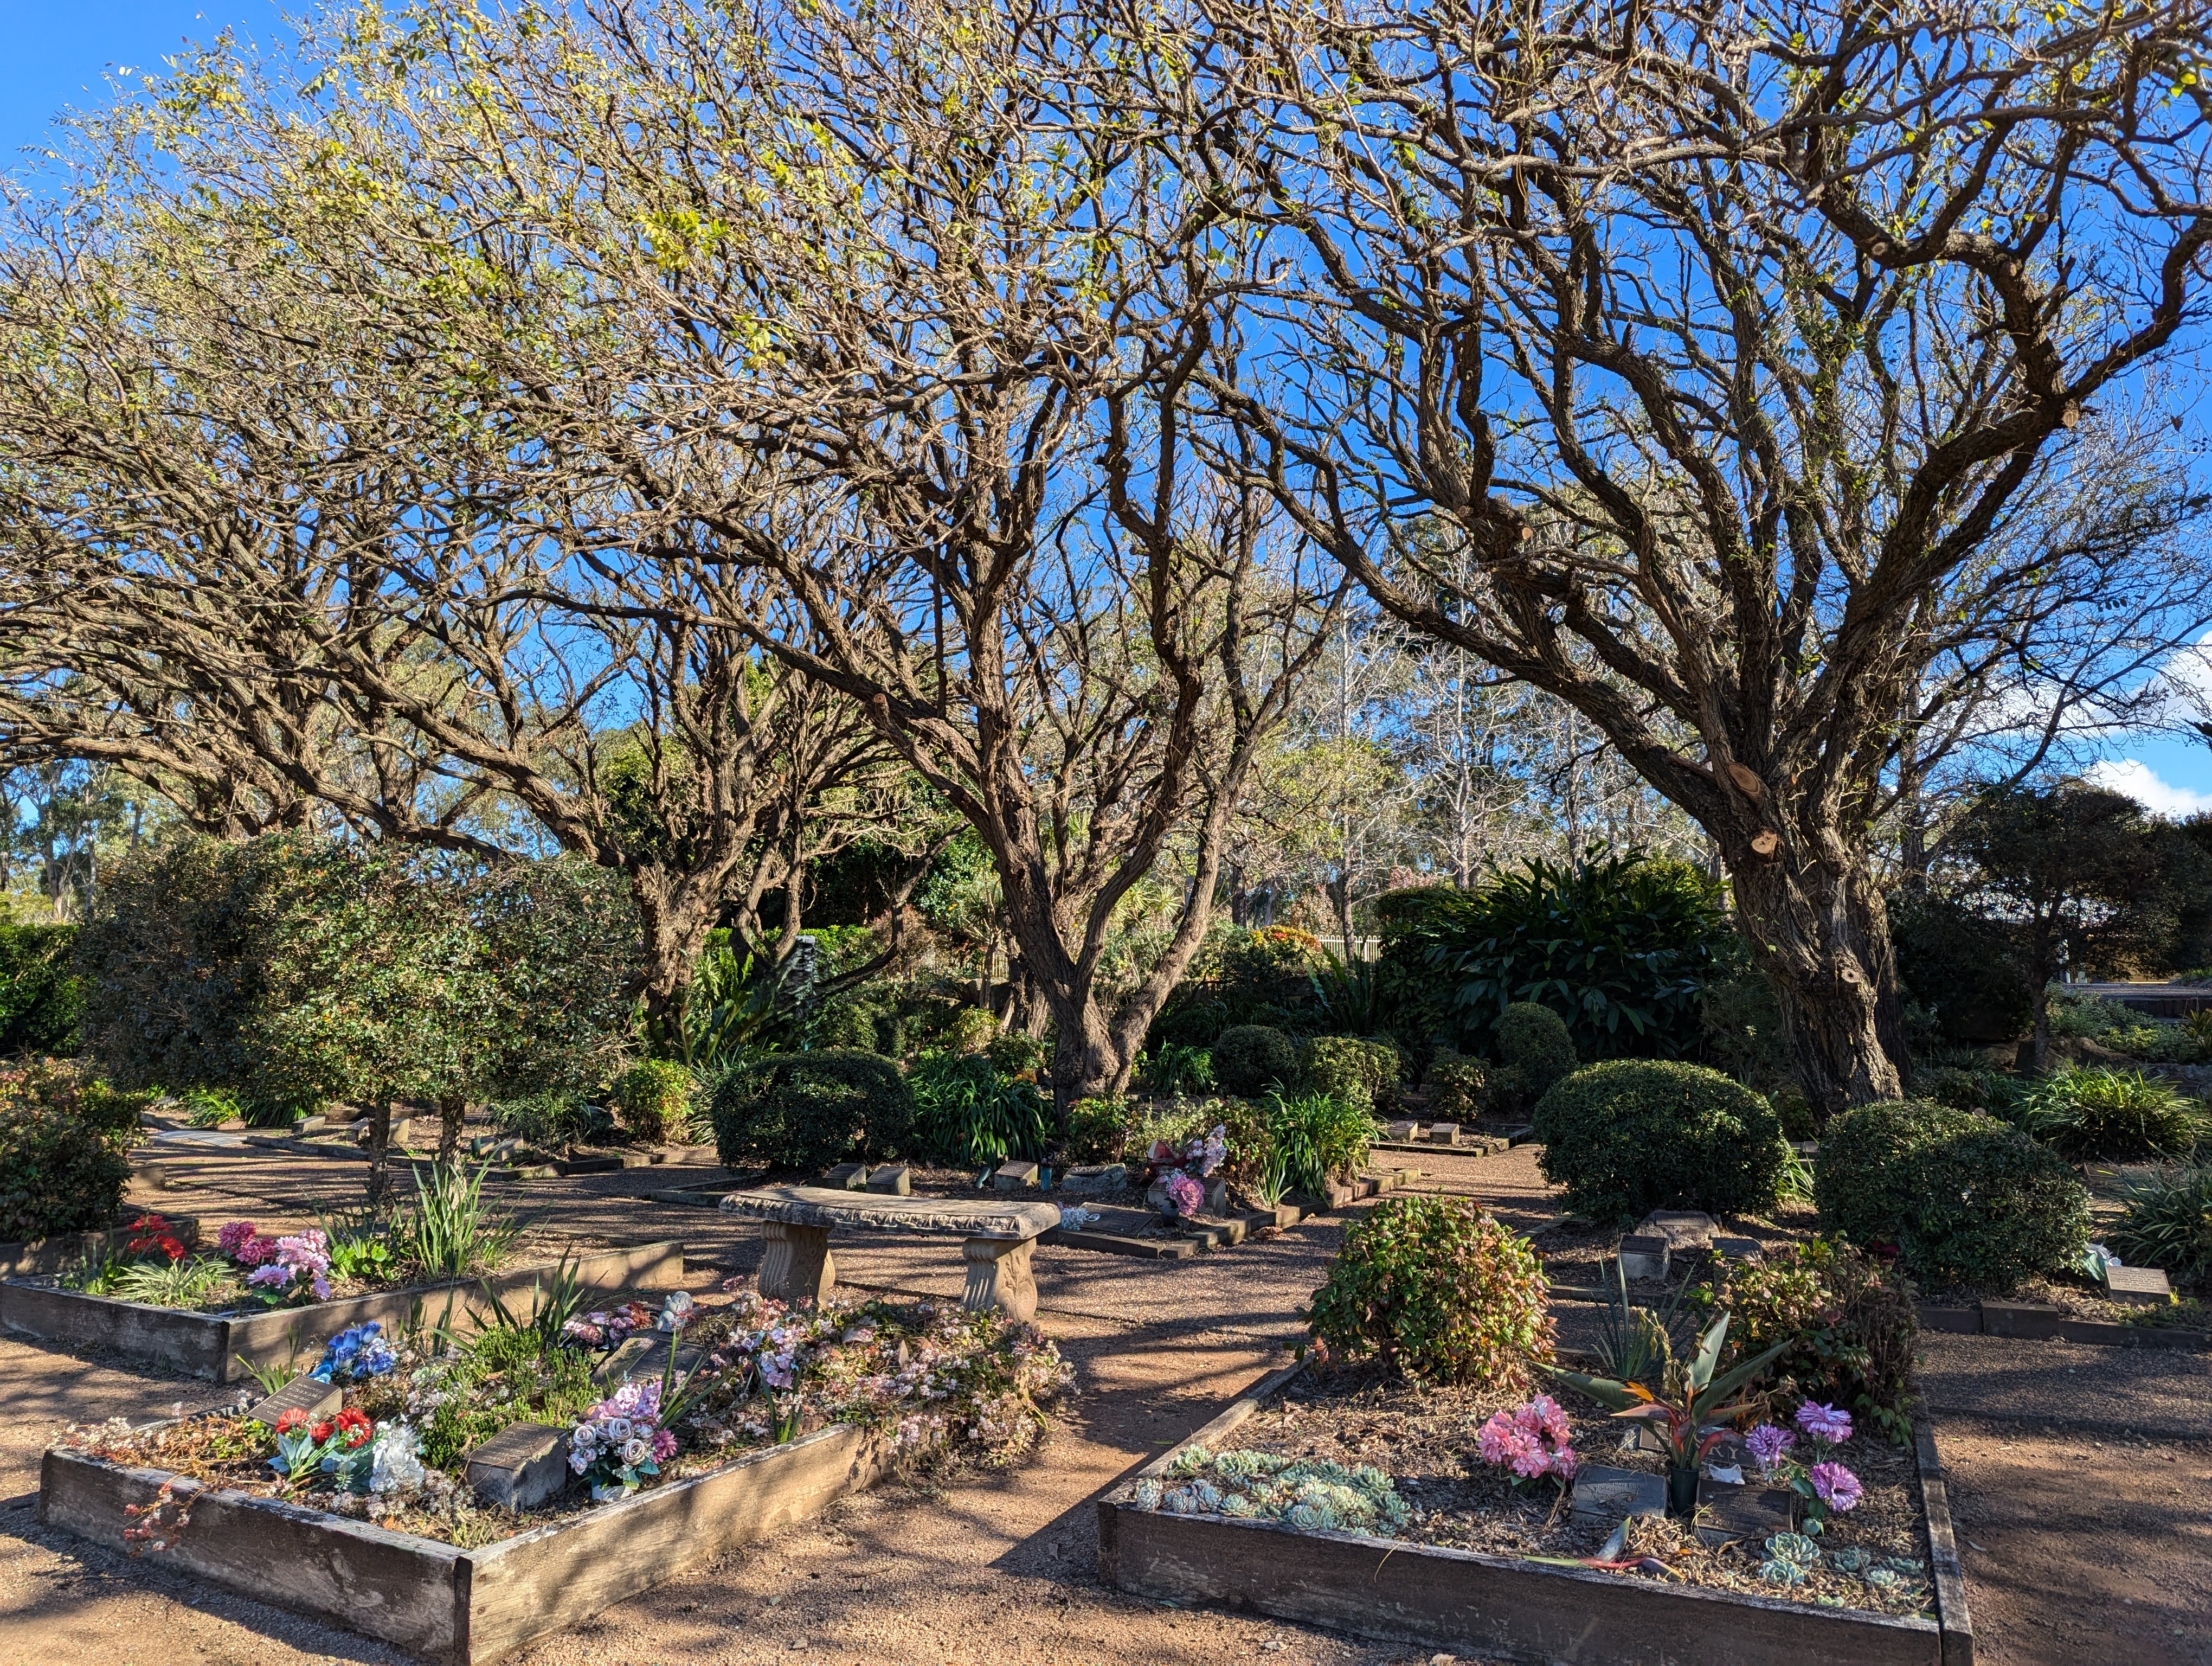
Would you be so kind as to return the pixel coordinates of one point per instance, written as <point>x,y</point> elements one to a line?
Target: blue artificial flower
<point>355,1352</point>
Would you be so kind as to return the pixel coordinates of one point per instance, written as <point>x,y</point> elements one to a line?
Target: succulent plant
<point>1780,1570</point>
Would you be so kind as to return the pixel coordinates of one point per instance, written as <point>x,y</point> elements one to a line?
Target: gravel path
<point>2080,1475</point>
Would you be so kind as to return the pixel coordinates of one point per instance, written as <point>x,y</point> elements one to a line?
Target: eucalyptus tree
<point>1723,344</point>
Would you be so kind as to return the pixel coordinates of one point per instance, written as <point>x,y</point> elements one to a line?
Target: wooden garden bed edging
<point>208,1345</point>
<point>2030,1322</point>
<point>67,1249</point>
<point>1462,1600</point>
<point>466,1607</point>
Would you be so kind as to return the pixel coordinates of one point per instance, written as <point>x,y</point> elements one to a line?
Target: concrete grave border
<point>1462,1600</point>
<point>464,1606</point>
<point>209,1345</point>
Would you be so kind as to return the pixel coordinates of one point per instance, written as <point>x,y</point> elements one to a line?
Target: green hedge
<point>1249,1059</point>
<point>1349,1067</point>
<point>1535,1053</point>
<point>40,999</point>
<point>810,1110</point>
<point>63,1146</point>
<point>1964,1199</point>
<point>1631,1135</point>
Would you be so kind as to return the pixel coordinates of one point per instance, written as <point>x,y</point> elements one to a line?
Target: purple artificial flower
<point>1838,1488</point>
<point>1767,1443</point>
<point>232,1235</point>
<point>1184,1195</point>
<point>1827,1422</point>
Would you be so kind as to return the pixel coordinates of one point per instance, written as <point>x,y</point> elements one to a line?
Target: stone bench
<point>996,1238</point>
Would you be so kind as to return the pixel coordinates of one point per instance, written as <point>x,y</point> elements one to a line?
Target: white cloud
<point>2142,783</point>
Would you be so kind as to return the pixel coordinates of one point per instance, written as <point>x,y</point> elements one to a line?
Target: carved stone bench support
<point>999,1276</point>
<point>797,1265</point>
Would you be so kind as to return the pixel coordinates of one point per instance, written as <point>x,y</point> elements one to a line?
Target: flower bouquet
<point>355,1354</point>
<point>280,1270</point>
<point>620,1444</point>
<point>1535,1442</point>
<point>1827,1488</point>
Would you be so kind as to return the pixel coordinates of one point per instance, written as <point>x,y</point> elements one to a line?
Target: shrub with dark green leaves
<point>2112,1114</point>
<point>41,999</point>
<point>63,1142</point>
<point>1964,1199</point>
<point>1346,1067</point>
<point>1534,1052</point>
<point>654,1099</point>
<point>1251,1058</point>
<point>811,1111</point>
<point>967,1111</point>
<point>1455,1082</point>
<point>1440,1292</point>
<point>1850,1323</point>
<point>550,1121</point>
<point>2169,1221</point>
<point>1096,1129</point>
<point>1630,1135</point>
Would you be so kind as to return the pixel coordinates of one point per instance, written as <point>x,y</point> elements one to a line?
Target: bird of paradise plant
<point>1692,1407</point>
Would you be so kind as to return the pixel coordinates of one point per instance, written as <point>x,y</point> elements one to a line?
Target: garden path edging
<point>2026,1321</point>
<point>466,1607</point>
<point>210,1346</point>
<point>62,1250</point>
<point>1465,1600</point>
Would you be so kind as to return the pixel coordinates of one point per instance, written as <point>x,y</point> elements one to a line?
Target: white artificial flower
<point>618,1429</point>
<point>635,1451</point>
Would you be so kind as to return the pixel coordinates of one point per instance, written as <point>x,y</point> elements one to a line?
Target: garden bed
<point>1124,1229</point>
<point>223,1346</point>
<point>465,1605</point>
<point>1487,1593</point>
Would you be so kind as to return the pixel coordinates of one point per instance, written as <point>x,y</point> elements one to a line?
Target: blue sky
<point>59,53</point>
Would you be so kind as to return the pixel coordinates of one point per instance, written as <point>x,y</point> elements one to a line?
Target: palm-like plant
<point>1690,1409</point>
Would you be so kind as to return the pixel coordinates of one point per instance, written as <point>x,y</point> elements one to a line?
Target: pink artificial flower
<point>1184,1195</point>
<point>1767,1443</point>
<point>1543,1415</point>
<point>1838,1488</point>
<point>664,1446</point>
<point>234,1235</point>
<point>1827,1422</point>
<point>255,1252</point>
<point>1564,1463</point>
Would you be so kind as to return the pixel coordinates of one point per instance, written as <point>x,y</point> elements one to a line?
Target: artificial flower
<point>1838,1488</point>
<point>1827,1422</point>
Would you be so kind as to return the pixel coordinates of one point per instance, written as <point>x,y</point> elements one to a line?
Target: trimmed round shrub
<point>62,1145</point>
<point>1251,1058</point>
<point>1850,1322</point>
<point>2117,1114</point>
<point>1635,1134</point>
<point>1456,1083</point>
<point>653,1099</point>
<point>1438,1291</point>
<point>810,1110</point>
<point>1359,1072</point>
<point>1964,1199</point>
<point>1534,1051</point>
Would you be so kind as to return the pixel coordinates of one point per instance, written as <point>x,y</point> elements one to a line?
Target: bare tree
<point>1724,339</point>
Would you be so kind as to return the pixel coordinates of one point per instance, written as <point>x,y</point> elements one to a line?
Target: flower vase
<point>1682,1491</point>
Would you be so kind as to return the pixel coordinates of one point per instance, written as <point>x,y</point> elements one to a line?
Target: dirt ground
<point>2080,1476</point>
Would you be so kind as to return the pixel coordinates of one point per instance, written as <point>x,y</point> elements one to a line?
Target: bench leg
<point>999,1276</point>
<point>797,1266</point>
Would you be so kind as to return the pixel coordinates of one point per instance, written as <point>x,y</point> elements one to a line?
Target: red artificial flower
<point>354,1427</point>
<point>320,1433</point>
<point>289,1419</point>
<point>172,1247</point>
<point>150,1232</point>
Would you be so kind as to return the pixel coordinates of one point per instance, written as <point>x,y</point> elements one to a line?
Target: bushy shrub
<point>654,1099</point>
<point>1455,1084</point>
<point>63,1142</point>
<point>2081,1018</point>
<point>966,1111</point>
<point>1251,1058</point>
<point>1850,1322</point>
<point>1013,1054</point>
<point>40,999</point>
<point>2112,1114</point>
<point>810,1110</point>
<point>1621,944</point>
<point>1440,1292</point>
<point>1263,975</point>
<point>1174,1069</point>
<point>1321,1138</point>
<point>1534,1052</point>
<point>1096,1128</point>
<point>2168,1222</point>
<point>1360,1072</point>
<point>1965,1199</point>
<point>1635,1134</point>
<point>971,1031</point>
